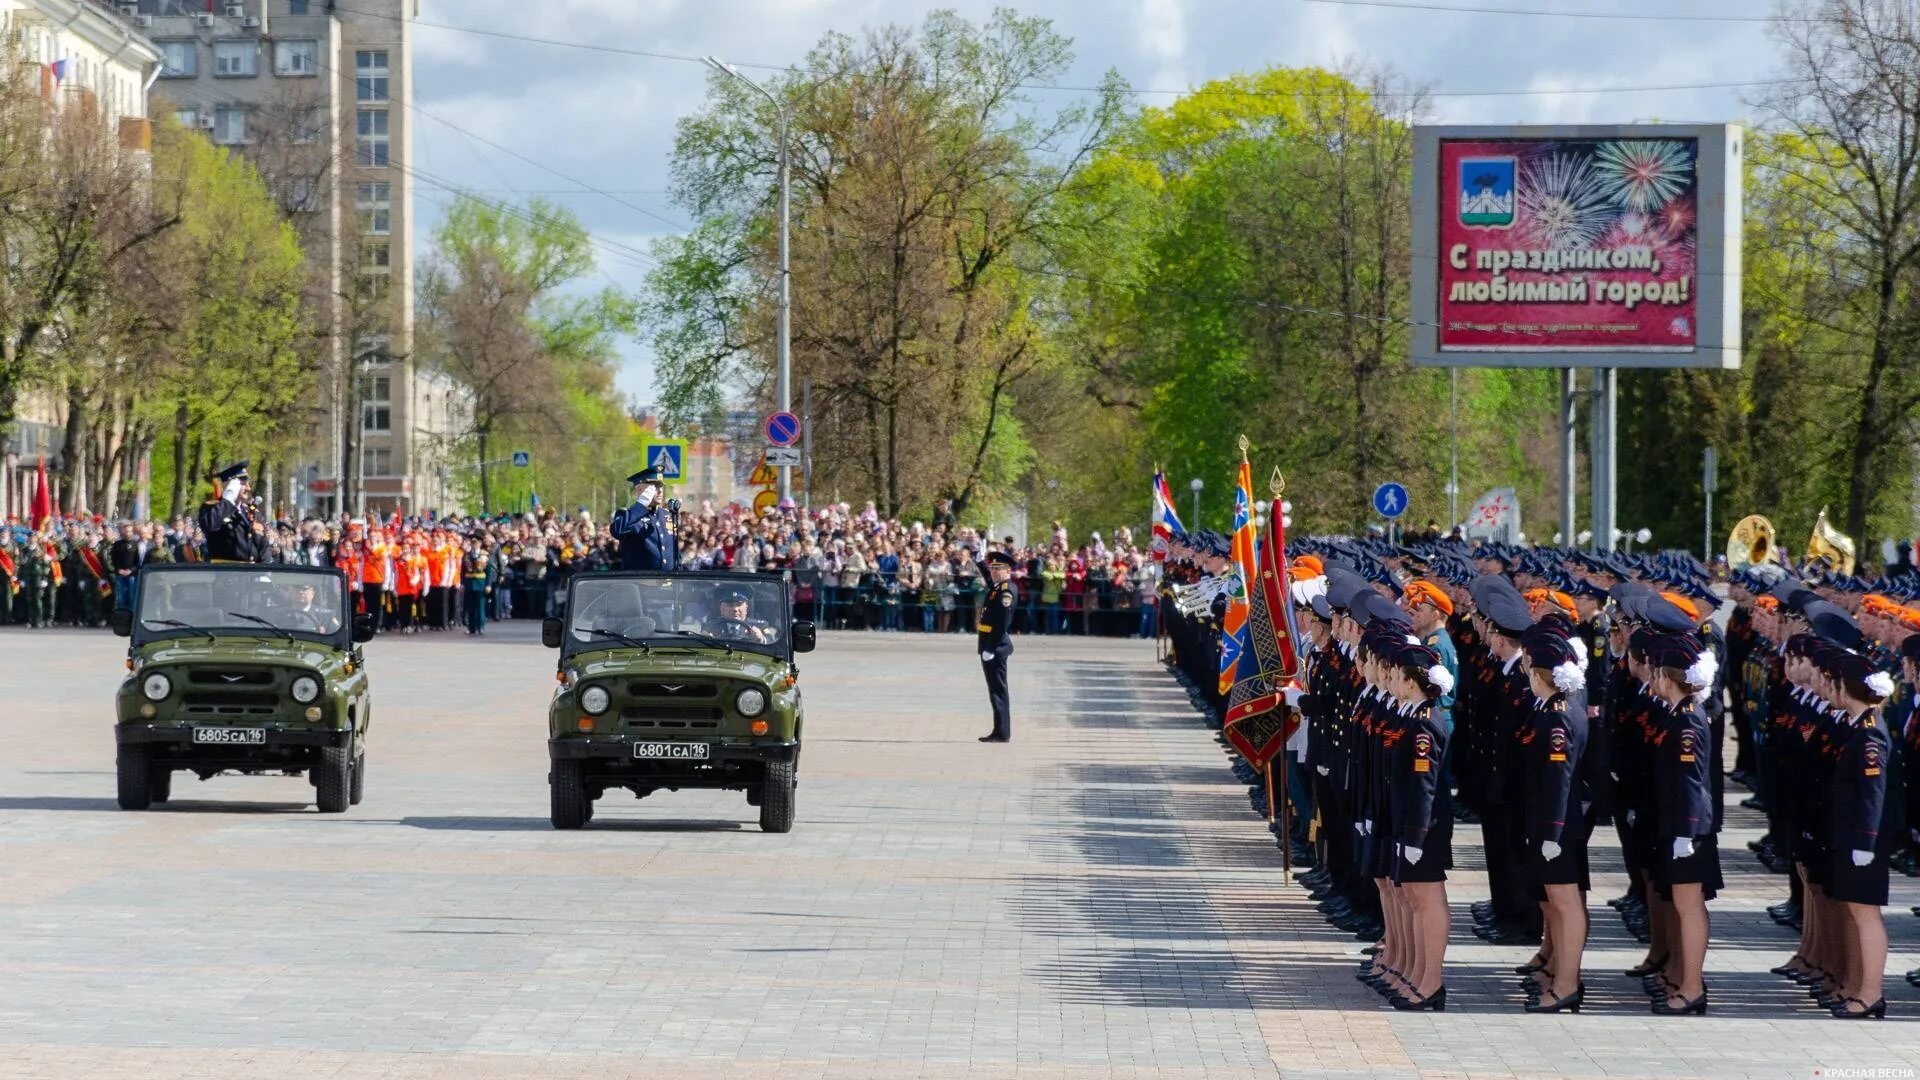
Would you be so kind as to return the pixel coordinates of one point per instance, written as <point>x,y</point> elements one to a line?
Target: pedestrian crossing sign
<point>670,457</point>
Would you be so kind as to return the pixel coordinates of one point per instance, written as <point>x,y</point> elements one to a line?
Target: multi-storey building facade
<point>84,57</point>
<point>318,95</point>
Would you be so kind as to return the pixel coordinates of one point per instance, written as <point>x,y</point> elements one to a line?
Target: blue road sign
<point>670,455</point>
<point>1390,500</point>
<point>522,459</point>
<point>782,428</point>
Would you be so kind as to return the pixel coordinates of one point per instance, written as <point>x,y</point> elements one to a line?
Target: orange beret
<point>1311,562</point>
<point>1682,603</point>
<point>1423,592</point>
<point>1767,603</point>
<point>1297,572</point>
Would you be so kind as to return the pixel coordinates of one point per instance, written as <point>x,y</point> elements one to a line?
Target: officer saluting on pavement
<point>996,616</point>
<point>226,520</point>
<point>645,529</point>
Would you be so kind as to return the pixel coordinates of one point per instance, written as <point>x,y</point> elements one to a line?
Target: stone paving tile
<point>1095,900</point>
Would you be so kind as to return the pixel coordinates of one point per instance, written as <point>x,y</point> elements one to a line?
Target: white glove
<point>1629,817</point>
<point>231,492</point>
<point>986,656</point>
<point>1682,846</point>
<point>646,497</point>
<point>1862,858</point>
<point>1411,854</point>
<point>1549,850</point>
<point>1293,694</point>
<point>1366,827</point>
<point>1322,770</point>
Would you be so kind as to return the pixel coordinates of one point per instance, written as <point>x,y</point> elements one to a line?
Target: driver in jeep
<point>733,623</point>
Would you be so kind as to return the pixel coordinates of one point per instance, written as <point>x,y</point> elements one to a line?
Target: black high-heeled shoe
<point>1530,966</point>
<point>1875,1011</point>
<point>1645,968</point>
<point>1809,976</point>
<point>1434,1002</point>
<point>1570,1003</point>
<point>1788,969</point>
<point>1694,1007</point>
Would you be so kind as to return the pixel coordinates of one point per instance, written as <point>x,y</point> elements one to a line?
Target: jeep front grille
<point>677,691</point>
<point>233,704</point>
<point>670,716</point>
<point>231,676</point>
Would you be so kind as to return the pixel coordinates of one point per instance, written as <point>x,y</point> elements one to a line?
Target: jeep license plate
<point>230,736</point>
<point>677,751</point>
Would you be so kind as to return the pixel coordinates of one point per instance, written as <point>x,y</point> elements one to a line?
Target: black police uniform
<point>228,526</point>
<point>995,620</point>
<point>645,533</point>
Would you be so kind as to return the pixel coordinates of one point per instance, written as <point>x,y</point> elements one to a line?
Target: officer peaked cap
<point>237,470</point>
<point>652,474</point>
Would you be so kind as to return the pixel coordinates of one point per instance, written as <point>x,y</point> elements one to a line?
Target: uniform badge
<point>1557,745</point>
<point>1006,599</point>
<point>1873,761</point>
<point>1687,746</point>
<point>1423,753</point>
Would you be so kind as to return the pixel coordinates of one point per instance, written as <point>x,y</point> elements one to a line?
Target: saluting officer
<point>645,529</point>
<point>996,616</point>
<point>226,519</point>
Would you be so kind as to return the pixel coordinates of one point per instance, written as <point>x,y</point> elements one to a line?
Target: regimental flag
<point>1166,523</point>
<point>1256,726</point>
<point>42,509</point>
<point>1233,628</point>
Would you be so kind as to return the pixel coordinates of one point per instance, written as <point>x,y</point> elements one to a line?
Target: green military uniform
<point>36,580</point>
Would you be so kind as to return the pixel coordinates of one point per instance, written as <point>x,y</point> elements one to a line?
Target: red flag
<point>42,499</point>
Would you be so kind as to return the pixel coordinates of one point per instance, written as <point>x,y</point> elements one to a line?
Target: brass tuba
<point>1751,544</point>
<point>1830,546</point>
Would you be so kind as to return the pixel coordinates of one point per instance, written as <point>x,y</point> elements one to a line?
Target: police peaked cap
<point>733,594</point>
<point>1342,587</point>
<point>1547,646</point>
<point>1662,614</point>
<point>1486,587</point>
<point>1000,558</point>
<point>1369,606</point>
<point>1830,623</point>
<point>236,471</point>
<point>652,474</point>
<point>1507,612</point>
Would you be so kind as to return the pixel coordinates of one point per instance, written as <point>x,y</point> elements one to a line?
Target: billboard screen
<point>1576,247</point>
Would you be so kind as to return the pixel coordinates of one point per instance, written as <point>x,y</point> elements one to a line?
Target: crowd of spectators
<point>852,568</point>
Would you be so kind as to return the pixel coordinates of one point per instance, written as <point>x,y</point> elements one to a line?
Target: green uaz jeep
<point>675,680</point>
<point>247,669</point>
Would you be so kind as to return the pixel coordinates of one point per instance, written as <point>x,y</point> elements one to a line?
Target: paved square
<point>1095,899</point>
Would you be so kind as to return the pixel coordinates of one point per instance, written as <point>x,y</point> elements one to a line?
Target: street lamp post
<point>782,391</point>
<point>1196,485</point>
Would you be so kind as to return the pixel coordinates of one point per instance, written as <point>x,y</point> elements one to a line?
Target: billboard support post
<point>1569,409</point>
<point>1606,386</point>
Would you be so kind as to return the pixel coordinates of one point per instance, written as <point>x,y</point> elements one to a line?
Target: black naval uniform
<point>996,618</point>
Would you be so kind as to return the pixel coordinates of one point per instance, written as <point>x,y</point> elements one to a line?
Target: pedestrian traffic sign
<point>787,457</point>
<point>522,459</point>
<point>762,475</point>
<point>782,428</point>
<point>1390,500</point>
<point>670,457</point>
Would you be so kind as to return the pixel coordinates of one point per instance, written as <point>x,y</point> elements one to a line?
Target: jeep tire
<point>333,779</point>
<point>162,782</point>
<point>776,798</point>
<point>135,771</point>
<point>358,789</point>
<point>571,806</point>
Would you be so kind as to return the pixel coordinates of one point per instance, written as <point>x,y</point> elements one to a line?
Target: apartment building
<point>318,95</point>
<point>87,58</point>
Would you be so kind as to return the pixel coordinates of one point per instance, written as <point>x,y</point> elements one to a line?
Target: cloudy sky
<point>597,120</point>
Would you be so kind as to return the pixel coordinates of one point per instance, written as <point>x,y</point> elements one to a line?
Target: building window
<point>376,258</point>
<point>297,7</point>
<point>302,195</point>
<point>178,59</point>
<point>376,209</point>
<point>372,349</point>
<point>376,461</point>
<point>229,126</point>
<point>371,75</point>
<point>187,118</point>
<point>376,405</point>
<point>374,140</point>
<point>233,59</point>
<point>296,57</point>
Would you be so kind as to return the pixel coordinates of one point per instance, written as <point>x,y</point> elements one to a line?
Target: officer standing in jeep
<point>226,520</point>
<point>645,529</point>
<point>996,617</point>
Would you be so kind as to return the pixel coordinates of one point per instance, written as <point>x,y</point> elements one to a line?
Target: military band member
<point>226,519</point>
<point>995,619</point>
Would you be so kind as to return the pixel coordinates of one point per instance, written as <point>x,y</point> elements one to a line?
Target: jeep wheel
<point>332,779</point>
<point>358,789</point>
<point>162,783</point>
<point>567,790</point>
<point>136,778</point>
<point>776,798</point>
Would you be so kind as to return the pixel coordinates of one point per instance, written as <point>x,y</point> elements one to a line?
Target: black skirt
<point>1570,868</point>
<point>1701,868</point>
<point>1855,884</point>
<point>1436,856</point>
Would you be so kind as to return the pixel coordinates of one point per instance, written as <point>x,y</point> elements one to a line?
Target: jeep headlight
<point>751,702</point>
<point>595,699</point>
<point>156,686</point>
<point>305,689</point>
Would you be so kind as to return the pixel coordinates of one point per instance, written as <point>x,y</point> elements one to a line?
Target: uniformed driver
<point>734,623</point>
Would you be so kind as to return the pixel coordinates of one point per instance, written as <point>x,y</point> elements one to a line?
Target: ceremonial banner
<point>1233,628</point>
<point>1256,726</point>
<point>1166,523</point>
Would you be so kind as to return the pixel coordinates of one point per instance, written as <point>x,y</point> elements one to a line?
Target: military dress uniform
<point>995,646</point>
<point>228,525</point>
<point>645,533</point>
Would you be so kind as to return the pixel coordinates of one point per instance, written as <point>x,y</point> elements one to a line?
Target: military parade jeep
<point>245,669</point>
<point>676,680</point>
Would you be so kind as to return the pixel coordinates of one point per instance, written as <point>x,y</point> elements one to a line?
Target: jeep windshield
<point>241,601</point>
<point>672,611</point>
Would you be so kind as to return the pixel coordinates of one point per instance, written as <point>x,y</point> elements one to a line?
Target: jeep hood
<point>675,663</point>
<point>236,650</point>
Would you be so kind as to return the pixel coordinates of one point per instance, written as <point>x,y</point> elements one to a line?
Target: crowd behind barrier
<point>851,569</point>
